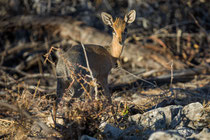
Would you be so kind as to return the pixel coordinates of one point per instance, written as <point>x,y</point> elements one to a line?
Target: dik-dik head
<point>119,25</point>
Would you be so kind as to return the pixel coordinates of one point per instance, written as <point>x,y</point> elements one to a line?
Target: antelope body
<point>101,59</point>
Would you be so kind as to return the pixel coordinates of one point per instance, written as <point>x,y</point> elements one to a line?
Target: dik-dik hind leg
<point>61,86</point>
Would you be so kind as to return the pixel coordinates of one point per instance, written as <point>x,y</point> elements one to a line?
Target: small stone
<point>135,118</point>
<point>193,111</point>
<point>102,126</point>
<point>153,120</point>
<point>161,135</point>
<point>203,135</point>
<point>195,116</point>
<point>182,131</point>
<point>112,132</point>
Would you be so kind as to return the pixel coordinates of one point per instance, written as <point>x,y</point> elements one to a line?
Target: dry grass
<point>26,112</point>
<point>27,115</point>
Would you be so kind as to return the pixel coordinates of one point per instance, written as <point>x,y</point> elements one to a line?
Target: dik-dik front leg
<point>103,80</point>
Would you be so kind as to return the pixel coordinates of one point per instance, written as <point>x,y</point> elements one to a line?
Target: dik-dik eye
<point>113,33</point>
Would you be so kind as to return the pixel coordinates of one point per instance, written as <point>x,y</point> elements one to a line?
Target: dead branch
<point>91,73</point>
<point>180,75</point>
<point>27,77</point>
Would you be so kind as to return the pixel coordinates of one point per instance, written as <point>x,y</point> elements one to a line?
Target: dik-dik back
<point>71,69</point>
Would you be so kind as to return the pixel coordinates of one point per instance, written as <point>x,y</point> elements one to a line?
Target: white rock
<point>161,135</point>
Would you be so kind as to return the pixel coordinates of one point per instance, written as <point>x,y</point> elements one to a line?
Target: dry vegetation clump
<point>84,117</point>
<point>90,117</point>
<point>207,110</point>
<point>22,116</point>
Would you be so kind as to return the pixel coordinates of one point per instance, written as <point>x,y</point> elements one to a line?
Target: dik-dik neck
<point>115,48</point>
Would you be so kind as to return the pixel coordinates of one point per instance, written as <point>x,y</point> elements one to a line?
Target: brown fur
<point>119,25</point>
<point>101,60</point>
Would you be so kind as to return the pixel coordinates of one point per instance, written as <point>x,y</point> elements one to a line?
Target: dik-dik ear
<point>107,19</point>
<point>130,16</point>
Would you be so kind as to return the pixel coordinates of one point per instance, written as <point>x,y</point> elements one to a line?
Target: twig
<point>45,75</point>
<point>202,29</point>
<point>35,92</point>
<point>137,77</point>
<point>47,55</point>
<point>50,60</point>
<point>173,25</point>
<point>40,89</point>
<point>30,61</point>
<point>91,74</point>
<point>179,32</point>
<point>183,73</point>
<point>172,73</point>
<point>20,47</point>
<point>149,73</point>
<point>14,70</point>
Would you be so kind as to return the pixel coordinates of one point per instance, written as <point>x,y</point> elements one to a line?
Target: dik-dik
<point>71,72</point>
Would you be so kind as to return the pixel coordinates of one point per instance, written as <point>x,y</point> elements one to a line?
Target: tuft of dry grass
<point>22,116</point>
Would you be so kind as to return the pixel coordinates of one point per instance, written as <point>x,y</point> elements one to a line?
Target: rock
<point>195,117</point>
<point>112,132</point>
<point>176,120</point>
<point>131,133</point>
<point>193,111</point>
<point>172,114</point>
<point>158,119</point>
<point>153,120</point>
<point>131,138</point>
<point>203,135</point>
<point>86,137</point>
<point>182,131</point>
<point>161,135</point>
<point>135,118</point>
